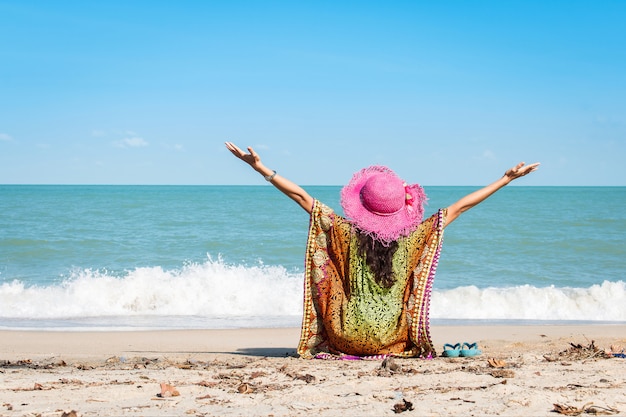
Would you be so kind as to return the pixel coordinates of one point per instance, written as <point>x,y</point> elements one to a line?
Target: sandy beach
<point>522,371</point>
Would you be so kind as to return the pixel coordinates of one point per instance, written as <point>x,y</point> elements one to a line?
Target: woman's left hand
<point>251,158</point>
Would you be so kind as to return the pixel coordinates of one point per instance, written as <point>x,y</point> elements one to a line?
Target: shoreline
<point>523,370</point>
<point>259,341</point>
<point>52,325</point>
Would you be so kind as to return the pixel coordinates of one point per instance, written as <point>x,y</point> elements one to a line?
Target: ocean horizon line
<point>269,185</point>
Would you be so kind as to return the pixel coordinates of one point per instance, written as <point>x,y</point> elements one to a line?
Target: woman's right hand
<point>520,170</point>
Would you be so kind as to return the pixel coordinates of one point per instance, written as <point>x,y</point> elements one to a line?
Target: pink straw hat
<point>381,204</point>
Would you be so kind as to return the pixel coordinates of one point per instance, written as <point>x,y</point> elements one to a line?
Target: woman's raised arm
<point>290,189</point>
<point>481,195</point>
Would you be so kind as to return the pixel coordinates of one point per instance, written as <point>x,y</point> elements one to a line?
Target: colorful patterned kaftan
<point>347,312</point>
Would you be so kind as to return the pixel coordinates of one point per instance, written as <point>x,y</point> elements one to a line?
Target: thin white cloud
<point>134,142</point>
<point>487,154</point>
<point>177,147</point>
<point>5,138</point>
<point>98,133</point>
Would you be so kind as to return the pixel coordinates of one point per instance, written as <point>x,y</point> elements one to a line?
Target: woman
<point>368,276</point>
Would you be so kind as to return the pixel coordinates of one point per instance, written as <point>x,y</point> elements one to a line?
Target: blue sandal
<point>451,351</point>
<point>470,349</point>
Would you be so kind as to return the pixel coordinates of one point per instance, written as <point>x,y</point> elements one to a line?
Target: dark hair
<point>378,257</point>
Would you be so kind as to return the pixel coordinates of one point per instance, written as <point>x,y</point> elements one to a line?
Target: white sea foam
<point>216,294</point>
<point>210,289</point>
<point>603,302</point>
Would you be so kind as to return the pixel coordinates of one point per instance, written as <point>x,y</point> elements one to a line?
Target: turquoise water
<point>231,256</point>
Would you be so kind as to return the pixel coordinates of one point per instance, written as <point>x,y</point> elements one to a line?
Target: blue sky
<point>443,92</point>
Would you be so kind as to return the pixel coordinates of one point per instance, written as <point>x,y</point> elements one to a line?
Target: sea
<point>131,257</point>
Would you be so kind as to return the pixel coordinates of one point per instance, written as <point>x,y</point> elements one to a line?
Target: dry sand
<point>523,371</point>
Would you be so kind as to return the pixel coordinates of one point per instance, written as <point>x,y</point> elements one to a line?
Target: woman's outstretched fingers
<point>251,158</point>
<point>237,151</point>
<point>530,168</point>
<point>234,149</point>
<point>533,167</point>
<point>521,169</point>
